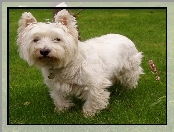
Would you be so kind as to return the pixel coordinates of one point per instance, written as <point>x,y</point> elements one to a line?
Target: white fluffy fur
<point>85,69</point>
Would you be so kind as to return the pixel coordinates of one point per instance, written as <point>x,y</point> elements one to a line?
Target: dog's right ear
<point>26,19</point>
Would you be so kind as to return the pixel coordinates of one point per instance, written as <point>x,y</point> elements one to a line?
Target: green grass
<point>29,99</point>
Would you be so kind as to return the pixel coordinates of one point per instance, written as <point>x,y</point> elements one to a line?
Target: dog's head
<point>51,45</point>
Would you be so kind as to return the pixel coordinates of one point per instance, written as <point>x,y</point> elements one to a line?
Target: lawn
<point>29,99</point>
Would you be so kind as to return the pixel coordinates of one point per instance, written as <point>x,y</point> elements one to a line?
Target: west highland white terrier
<point>71,67</point>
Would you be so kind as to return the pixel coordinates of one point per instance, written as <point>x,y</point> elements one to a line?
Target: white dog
<point>85,69</point>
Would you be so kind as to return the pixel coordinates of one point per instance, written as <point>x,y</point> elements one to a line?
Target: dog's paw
<point>88,114</point>
<point>63,108</point>
<point>58,110</point>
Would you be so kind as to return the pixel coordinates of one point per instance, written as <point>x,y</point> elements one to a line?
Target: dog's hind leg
<point>131,71</point>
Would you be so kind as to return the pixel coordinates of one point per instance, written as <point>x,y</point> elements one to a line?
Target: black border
<point>81,7</point>
<point>8,53</point>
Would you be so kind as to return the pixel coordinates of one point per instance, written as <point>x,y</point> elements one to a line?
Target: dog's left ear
<point>65,18</point>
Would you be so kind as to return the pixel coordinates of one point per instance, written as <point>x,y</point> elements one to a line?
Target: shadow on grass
<point>118,92</point>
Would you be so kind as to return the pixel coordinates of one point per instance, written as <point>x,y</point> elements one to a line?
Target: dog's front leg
<point>96,100</point>
<point>61,100</point>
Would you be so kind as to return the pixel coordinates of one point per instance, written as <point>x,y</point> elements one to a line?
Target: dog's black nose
<point>44,52</point>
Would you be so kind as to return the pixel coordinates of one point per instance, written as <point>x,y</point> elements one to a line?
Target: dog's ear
<point>65,18</point>
<point>26,19</point>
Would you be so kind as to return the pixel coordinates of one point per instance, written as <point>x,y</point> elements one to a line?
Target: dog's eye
<point>36,39</point>
<point>57,39</point>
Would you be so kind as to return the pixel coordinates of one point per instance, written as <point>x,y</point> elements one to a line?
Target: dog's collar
<point>51,73</point>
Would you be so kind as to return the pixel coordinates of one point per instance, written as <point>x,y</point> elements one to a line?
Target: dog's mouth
<point>47,58</point>
<point>46,61</point>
